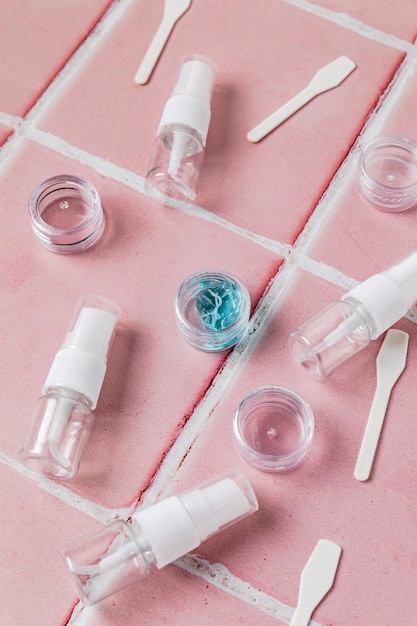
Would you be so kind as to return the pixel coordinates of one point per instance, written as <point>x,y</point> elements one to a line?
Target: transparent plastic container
<point>330,338</point>
<point>387,173</point>
<point>54,446</point>
<point>66,214</point>
<point>212,310</point>
<point>273,429</point>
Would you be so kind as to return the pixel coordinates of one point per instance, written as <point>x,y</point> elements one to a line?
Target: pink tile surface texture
<point>283,215</point>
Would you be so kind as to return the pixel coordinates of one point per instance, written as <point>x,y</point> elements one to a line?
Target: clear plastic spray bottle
<point>175,167</point>
<point>114,557</point>
<point>345,327</point>
<point>63,416</point>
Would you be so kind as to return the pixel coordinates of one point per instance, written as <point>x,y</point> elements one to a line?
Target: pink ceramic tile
<point>34,527</point>
<point>36,41</point>
<point>399,19</point>
<point>373,522</point>
<point>154,378</point>
<point>360,240</point>
<point>271,52</point>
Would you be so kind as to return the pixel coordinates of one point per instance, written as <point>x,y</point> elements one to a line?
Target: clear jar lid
<point>212,310</point>
<point>66,214</point>
<point>387,173</point>
<point>273,428</point>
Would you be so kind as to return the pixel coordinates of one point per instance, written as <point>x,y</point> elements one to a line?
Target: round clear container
<point>273,429</point>
<point>212,310</point>
<point>387,173</point>
<point>66,214</point>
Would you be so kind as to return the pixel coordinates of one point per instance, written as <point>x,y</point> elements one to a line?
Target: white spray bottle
<point>345,327</point>
<point>64,416</point>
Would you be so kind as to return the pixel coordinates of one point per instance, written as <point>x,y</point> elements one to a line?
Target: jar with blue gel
<point>212,310</point>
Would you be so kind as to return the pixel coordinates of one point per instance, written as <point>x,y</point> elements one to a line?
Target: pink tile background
<point>285,174</point>
<point>163,422</point>
<point>32,579</point>
<point>39,38</point>
<point>388,16</point>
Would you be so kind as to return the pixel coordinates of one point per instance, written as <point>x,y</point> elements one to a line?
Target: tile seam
<point>64,494</point>
<point>220,577</point>
<point>353,24</point>
<point>79,57</point>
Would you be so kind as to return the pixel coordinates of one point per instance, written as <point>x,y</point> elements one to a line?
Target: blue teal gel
<point>218,304</point>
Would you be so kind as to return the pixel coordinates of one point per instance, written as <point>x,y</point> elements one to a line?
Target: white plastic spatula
<point>173,10</point>
<point>316,580</point>
<point>390,364</point>
<point>327,78</point>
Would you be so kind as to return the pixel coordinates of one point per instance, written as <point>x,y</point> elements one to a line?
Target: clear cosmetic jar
<point>387,173</point>
<point>273,429</point>
<point>212,310</point>
<point>66,214</point>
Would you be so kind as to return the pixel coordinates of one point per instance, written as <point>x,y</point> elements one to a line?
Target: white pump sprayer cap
<point>80,364</point>
<point>189,103</point>
<point>389,295</point>
<point>179,524</point>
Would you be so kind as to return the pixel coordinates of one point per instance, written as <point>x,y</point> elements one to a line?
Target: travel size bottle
<point>345,327</point>
<point>63,416</point>
<point>175,167</point>
<point>114,557</point>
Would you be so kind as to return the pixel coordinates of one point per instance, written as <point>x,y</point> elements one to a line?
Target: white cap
<point>389,295</point>
<point>189,103</point>
<point>179,524</point>
<point>80,364</point>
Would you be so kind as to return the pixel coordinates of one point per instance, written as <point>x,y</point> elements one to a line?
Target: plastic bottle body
<point>104,562</point>
<point>107,561</point>
<point>331,337</point>
<point>176,164</point>
<point>58,434</point>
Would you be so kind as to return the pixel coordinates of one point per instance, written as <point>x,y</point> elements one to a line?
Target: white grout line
<point>350,23</point>
<point>219,576</point>
<point>99,164</point>
<point>12,121</point>
<point>82,54</point>
<point>90,508</point>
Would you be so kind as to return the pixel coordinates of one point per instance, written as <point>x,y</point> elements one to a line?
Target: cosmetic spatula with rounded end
<point>316,580</point>
<point>327,78</point>
<point>390,364</point>
<point>173,10</point>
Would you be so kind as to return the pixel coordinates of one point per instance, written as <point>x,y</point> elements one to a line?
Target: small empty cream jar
<point>273,429</point>
<point>66,214</point>
<point>212,310</point>
<point>387,173</point>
